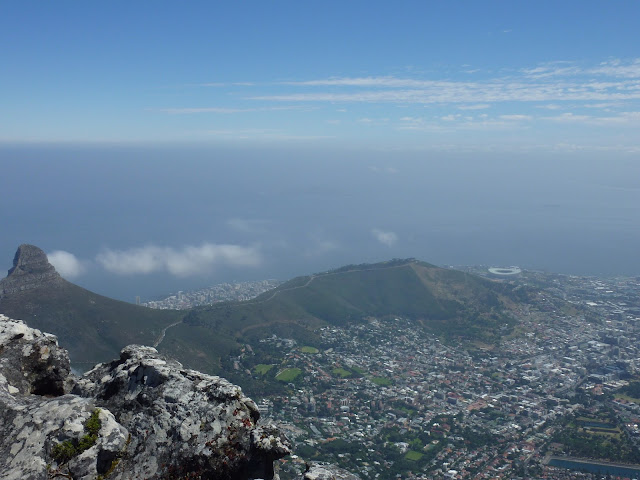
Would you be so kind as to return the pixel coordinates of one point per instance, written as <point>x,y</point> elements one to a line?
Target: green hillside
<point>447,302</point>
<point>452,304</point>
<point>92,327</point>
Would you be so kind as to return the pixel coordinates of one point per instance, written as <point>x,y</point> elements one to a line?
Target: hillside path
<point>164,332</point>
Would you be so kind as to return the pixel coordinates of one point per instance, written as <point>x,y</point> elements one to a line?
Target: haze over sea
<point>129,214</point>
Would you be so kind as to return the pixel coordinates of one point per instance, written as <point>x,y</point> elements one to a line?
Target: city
<point>222,292</point>
<point>383,398</point>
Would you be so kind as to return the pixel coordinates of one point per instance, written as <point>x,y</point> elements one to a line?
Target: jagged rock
<point>182,421</point>
<point>35,413</point>
<point>31,269</point>
<point>157,419</point>
<point>325,471</point>
<point>32,361</point>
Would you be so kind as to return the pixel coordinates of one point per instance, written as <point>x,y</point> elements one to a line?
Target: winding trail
<point>164,332</point>
<point>277,292</point>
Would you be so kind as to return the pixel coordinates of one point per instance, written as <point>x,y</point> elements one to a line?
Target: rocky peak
<point>30,260</point>
<point>31,269</point>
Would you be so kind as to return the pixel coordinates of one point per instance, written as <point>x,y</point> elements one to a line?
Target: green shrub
<point>93,424</point>
<point>65,451</point>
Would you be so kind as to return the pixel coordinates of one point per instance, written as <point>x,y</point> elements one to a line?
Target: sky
<point>528,74</point>
<point>167,145</point>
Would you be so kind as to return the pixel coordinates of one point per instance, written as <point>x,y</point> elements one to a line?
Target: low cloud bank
<point>67,264</point>
<point>386,238</point>
<point>184,262</point>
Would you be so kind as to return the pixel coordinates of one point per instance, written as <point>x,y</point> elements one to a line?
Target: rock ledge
<point>158,420</point>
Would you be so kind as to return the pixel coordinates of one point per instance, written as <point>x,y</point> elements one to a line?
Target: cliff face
<point>31,269</point>
<point>141,416</point>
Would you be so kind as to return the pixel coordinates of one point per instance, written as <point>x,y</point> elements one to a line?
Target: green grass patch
<point>359,370</point>
<point>413,456</point>
<point>621,396</point>
<point>341,372</point>
<point>262,368</point>
<point>288,375</point>
<point>382,381</point>
<point>307,349</point>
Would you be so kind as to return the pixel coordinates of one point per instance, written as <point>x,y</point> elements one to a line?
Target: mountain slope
<point>446,302</point>
<point>92,327</point>
<point>449,303</point>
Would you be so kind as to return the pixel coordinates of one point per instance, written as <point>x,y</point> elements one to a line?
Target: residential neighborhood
<point>384,398</point>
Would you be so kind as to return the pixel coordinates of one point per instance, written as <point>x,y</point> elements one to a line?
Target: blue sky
<point>444,75</point>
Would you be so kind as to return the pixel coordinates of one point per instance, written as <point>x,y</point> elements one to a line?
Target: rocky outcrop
<point>31,269</point>
<point>182,421</point>
<point>141,416</point>
<point>318,471</point>
<point>31,362</point>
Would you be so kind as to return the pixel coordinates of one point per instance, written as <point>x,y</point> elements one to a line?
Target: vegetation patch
<point>288,375</point>
<point>65,451</point>
<point>341,372</point>
<point>382,381</point>
<point>628,398</point>
<point>596,437</point>
<point>630,392</point>
<point>308,349</point>
<point>262,368</point>
<point>413,455</point>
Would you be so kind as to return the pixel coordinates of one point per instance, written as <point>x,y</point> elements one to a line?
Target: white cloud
<point>550,106</point>
<point>515,117</point>
<point>552,69</point>
<point>224,110</point>
<point>67,264</point>
<point>473,92</point>
<point>479,106</point>
<point>614,80</point>
<point>373,121</point>
<point>618,68</point>
<point>622,119</point>
<point>384,237</point>
<point>187,261</point>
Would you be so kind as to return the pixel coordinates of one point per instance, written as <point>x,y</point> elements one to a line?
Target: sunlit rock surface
<point>327,472</point>
<point>157,419</point>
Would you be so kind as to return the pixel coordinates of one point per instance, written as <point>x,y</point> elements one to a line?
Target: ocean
<point>307,210</point>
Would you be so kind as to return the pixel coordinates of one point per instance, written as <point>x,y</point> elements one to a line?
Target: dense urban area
<point>222,292</point>
<point>385,399</point>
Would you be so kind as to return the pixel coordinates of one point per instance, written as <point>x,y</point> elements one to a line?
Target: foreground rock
<point>182,421</point>
<point>327,472</point>
<point>142,416</point>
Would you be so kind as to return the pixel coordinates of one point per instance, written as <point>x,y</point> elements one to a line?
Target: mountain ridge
<point>446,302</point>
